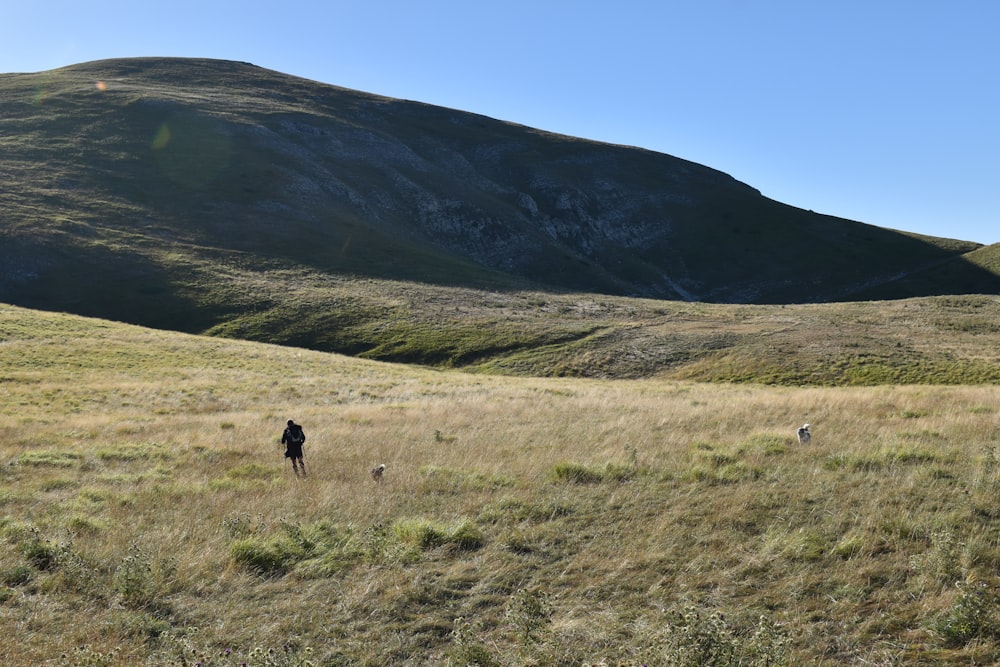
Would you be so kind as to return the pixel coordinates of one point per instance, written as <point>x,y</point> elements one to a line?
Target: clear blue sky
<point>883,111</point>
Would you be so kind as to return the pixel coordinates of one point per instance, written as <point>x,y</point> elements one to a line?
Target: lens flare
<point>162,137</point>
<point>191,149</point>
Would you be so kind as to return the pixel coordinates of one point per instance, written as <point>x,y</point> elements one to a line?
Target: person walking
<point>293,438</point>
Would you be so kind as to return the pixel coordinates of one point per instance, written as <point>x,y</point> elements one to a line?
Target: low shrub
<point>18,575</point>
<point>698,637</point>
<point>41,553</point>
<point>973,614</point>
<point>140,579</point>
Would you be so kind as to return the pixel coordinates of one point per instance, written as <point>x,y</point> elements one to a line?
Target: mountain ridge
<point>154,190</point>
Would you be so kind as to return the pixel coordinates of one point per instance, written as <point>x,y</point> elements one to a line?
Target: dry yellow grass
<point>135,464</point>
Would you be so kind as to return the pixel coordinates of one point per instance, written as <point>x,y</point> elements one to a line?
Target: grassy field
<point>147,515</point>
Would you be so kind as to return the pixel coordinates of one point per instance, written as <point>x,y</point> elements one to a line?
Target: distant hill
<point>203,195</point>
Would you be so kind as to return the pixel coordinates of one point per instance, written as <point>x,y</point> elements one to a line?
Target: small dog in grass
<point>804,435</point>
<point>377,472</point>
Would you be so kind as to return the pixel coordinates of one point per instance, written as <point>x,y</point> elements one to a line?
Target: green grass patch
<point>439,479</point>
<point>578,473</point>
<point>132,452</point>
<point>291,545</point>
<point>512,510</point>
<point>425,534</point>
<point>767,444</point>
<point>883,458</point>
<point>49,458</point>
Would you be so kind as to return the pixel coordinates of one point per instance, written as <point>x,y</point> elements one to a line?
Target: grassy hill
<point>948,277</point>
<point>934,340</point>
<point>212,196</point>
<point>147,516</point>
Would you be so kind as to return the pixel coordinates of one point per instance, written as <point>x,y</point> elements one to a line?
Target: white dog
<point>804,435</point>
<point>377,472</point>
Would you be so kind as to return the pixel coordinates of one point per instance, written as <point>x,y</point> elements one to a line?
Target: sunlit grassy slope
<point>147,516</point>
<point>937,340</point>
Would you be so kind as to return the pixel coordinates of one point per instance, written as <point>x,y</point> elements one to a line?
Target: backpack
<point>295,435</point>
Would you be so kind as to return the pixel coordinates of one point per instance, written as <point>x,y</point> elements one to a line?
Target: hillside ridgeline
<point>214,196</point>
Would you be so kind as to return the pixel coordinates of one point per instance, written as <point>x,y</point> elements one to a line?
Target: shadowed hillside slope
<point>183,193</point>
